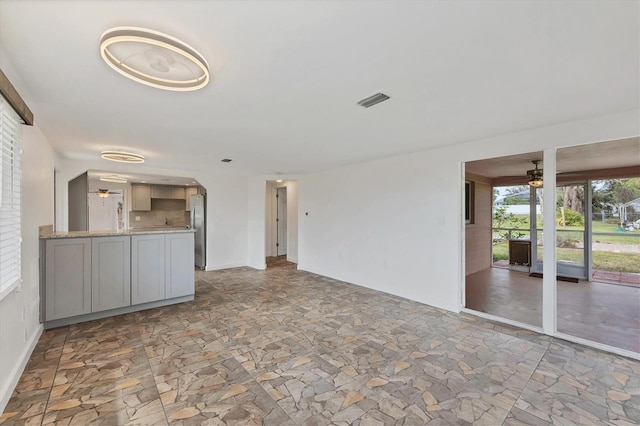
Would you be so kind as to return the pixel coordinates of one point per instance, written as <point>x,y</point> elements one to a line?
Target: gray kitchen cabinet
<point>140,197</point>
<point>177,193</point>
<point>160,191</point>
<point>68,278</point>
<point>88,278</point>
<point>167,192</point>
<point>148,268</point>
<point>110,273</point>
<point>192,190</point>
<point>179,265</point>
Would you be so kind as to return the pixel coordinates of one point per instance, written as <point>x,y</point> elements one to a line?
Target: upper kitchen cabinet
<point>177,193</point>
<point>140,197</point>
<point>167,192</point>
<point>160,191</point>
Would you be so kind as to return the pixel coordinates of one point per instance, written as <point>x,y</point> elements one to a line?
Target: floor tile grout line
<point>44,413</point>
<point>529,380</point>
<point>144,348</point>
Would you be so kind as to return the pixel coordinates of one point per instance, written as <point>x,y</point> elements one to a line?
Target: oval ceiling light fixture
<point>113,179</point>
<point>153,58</point>
<point>122,157</point>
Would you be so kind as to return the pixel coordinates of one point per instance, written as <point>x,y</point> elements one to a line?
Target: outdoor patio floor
<point>601,312</point>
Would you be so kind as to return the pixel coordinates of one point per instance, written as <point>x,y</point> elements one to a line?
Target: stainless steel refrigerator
<point>198,215</point>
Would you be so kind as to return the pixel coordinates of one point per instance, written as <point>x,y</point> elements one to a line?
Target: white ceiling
<point>287,76</point>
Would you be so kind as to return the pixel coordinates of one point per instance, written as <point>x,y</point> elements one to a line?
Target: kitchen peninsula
<point>87,275</point>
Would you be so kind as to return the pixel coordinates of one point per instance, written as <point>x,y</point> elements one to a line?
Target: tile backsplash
<point>161,209</point>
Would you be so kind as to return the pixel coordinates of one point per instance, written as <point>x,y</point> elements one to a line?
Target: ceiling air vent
<point>372,100</point>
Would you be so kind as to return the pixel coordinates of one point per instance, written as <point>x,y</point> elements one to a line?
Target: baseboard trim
<point>19,369</point>
<point>113,312</point>
<point>224,266</point>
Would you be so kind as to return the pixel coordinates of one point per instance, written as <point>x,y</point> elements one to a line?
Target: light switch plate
<point>137,218</point>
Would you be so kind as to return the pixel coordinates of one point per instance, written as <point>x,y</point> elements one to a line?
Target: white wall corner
<point>16,372</point>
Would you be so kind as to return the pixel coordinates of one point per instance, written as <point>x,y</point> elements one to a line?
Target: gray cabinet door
<point>110,273</point>
<point>67,278</point>
<point>160,191</point>
<point>179,280</point>
<point>147,268</point>
<point>177,193</point>
<point>140,197</point>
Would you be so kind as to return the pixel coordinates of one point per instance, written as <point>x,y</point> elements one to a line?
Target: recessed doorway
<point>281,221</point>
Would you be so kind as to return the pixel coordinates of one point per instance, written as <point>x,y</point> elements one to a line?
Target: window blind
<point>10,197</point>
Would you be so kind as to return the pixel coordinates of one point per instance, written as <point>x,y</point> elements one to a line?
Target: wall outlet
<point>137,218</point>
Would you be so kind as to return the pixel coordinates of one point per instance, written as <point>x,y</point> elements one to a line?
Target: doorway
<point>105,212</point>
<point>572,239</point>
<point>281,221</point>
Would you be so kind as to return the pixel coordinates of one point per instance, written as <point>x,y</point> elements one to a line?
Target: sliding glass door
<point>571,235</point>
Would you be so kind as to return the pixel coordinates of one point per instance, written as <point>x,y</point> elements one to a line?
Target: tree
<point>502,219</point>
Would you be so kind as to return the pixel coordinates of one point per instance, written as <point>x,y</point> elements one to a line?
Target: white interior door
<point>281,221</point>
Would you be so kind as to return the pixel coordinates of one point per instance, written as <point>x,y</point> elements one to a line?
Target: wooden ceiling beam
<point>17,103</point>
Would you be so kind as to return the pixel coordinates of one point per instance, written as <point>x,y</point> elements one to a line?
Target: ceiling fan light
<point>103,193</point>
<point>535,175</point>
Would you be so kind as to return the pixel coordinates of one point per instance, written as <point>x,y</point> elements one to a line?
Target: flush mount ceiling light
<point>535,175</point>
<point>114,179</point>
<point>122,157</point>
<point>153,58</point>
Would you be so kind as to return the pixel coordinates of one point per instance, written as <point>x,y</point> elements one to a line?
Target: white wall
<point>226,206</point>
<point>396,225</point>
<point>389,225</point>
<point>19,311</point>
<point>256,199</point>
<point>292,221</point>
<point>478,234</point>
<point>227,220</point>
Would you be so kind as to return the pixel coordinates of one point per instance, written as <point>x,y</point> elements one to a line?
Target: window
<point>468,202</point>
<point>10,198</point>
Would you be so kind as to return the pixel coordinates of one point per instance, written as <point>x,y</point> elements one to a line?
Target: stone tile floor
<point>285,347</point>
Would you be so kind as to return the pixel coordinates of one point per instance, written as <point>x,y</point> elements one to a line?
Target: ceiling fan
<point>535,175</point>
<point>104,193</point>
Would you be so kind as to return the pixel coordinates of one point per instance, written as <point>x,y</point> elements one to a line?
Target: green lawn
<point>625,237</point>
<point>603,260</point>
